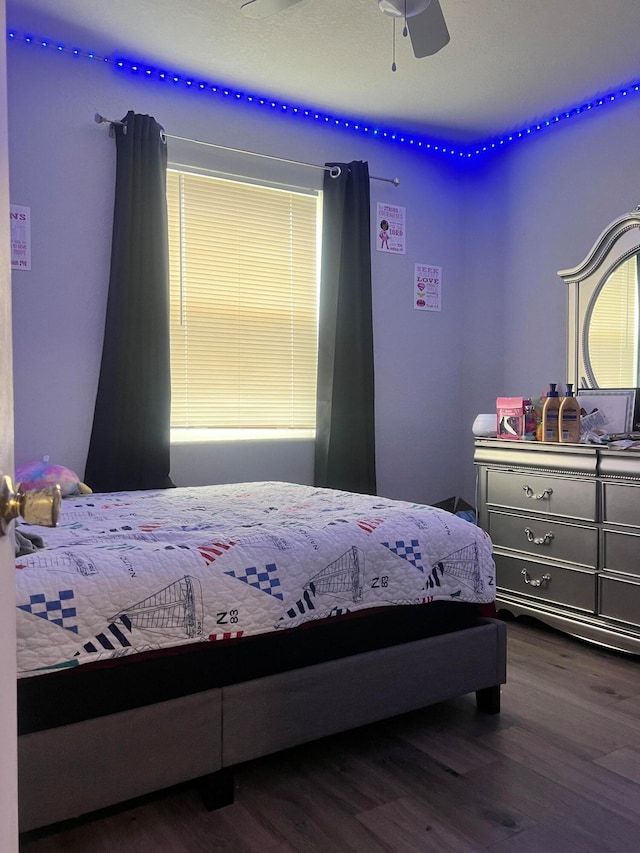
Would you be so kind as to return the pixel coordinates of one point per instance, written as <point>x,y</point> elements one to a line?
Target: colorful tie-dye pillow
<point>38,475</point>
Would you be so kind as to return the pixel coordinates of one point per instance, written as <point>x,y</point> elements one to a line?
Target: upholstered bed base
<point>70,770</point>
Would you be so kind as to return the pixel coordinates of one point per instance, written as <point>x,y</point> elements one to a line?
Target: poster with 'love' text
<point>427,291</point>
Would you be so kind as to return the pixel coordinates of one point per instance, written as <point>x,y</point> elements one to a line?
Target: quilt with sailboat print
<point>130,572</point>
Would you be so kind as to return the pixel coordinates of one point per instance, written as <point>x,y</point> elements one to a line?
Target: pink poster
<point>390,232</point>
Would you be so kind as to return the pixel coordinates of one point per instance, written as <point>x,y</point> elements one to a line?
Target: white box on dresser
<point>565,524</point>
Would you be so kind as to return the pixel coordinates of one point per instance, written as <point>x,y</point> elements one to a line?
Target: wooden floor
<point>558,771</point>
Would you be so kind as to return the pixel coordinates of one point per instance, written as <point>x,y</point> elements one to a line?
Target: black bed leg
<point>217,789</point>
<point>488,700</point>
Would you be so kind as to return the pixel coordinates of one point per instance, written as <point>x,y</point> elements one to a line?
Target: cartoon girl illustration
<point>384,234</point>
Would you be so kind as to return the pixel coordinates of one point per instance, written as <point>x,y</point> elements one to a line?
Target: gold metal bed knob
<point>36,506</point>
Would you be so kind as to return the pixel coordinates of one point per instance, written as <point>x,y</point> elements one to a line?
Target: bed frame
<point>70,770</point>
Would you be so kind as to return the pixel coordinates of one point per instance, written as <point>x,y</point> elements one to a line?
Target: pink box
<point>510,418</point>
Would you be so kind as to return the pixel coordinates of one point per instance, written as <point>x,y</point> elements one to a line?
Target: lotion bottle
<point>550,415</point>
<point>569,418</point>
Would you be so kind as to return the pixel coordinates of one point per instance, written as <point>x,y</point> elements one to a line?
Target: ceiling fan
<point>423,20</point>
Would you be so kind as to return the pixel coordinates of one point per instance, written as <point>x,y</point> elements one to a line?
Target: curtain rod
<point>334,171</point>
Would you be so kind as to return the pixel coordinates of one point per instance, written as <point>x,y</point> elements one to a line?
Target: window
<point>613,329</point>
<point>244,284</point>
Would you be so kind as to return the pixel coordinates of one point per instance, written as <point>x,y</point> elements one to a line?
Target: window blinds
<point>613,335</point>
<point>243,282</point>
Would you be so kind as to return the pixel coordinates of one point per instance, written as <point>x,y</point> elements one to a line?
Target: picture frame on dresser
<point>619,407</point>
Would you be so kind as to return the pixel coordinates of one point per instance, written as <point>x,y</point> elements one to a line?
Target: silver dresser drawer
<point>620,599</point>
<point>546,539</point>
<point>621,504</point>
<point>621,552</point>
<point>571,498</point>
<point>570,587</point>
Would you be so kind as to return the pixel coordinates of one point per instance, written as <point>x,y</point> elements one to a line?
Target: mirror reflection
<point>610,333</point>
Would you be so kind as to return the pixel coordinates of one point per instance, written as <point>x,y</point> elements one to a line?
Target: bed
<point>172,635</point>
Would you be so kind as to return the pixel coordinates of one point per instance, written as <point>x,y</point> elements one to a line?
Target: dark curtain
<point>130,445</point>
<point>345,436</point>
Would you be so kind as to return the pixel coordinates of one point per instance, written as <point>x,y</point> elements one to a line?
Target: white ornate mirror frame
<point>617,243</point>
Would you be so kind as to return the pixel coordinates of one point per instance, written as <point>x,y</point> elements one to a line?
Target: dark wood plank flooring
<point>558,771</point>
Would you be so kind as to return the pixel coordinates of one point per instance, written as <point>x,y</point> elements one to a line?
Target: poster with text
<point>20,219</point>
<point>390,233</point>
<point>427,291</point>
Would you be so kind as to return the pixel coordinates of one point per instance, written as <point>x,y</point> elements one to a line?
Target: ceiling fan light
<point>396,8</point>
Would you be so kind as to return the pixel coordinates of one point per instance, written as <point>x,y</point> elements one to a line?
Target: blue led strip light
<point>142,70</point>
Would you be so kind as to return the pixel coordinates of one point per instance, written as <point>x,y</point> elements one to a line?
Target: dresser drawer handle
<point>538,540</point>
<point>531,494</point>
<point>543,581</point>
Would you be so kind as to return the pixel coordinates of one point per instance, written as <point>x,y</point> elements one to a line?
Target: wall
<point>62,166</point>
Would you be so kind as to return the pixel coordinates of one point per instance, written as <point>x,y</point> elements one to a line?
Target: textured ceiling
<point>508,62</point>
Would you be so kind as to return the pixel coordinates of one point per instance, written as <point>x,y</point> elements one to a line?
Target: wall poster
<point>390,231</point>
<point>427,291</point>
<point>20,226</point>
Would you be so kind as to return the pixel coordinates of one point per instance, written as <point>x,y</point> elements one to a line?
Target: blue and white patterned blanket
<point>133,571</point>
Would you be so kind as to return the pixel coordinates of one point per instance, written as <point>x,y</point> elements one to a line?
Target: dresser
<point>565,524</point>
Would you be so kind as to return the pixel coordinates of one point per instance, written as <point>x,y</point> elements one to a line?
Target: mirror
<point>604,323</point>
<point>610,333</point>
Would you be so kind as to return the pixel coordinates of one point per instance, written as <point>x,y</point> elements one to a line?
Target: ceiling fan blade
<point>263,8</point>
<point>428,30</point>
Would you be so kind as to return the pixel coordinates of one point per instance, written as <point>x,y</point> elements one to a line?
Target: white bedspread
<point>133,571</point>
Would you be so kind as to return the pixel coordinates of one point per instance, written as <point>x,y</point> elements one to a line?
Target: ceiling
<point>509,62</point>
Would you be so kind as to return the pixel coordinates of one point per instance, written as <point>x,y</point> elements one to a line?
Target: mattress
<point>142,573</point>
<point>65,696</point>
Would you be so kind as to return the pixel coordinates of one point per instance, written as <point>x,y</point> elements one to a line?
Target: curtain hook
<point>335,171</point>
